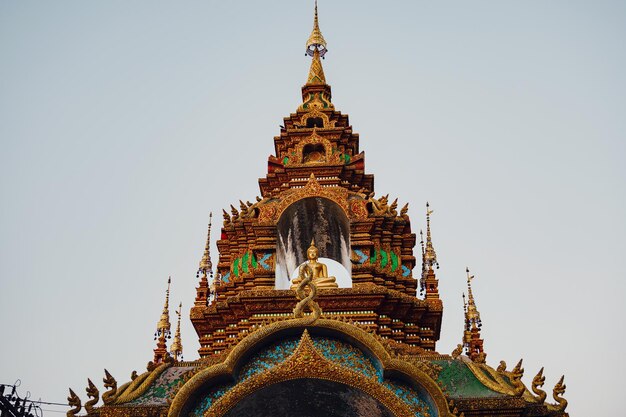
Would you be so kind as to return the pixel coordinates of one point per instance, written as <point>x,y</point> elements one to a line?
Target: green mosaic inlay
<point>394,261</point>
<point>419,406</point>
<point>164,386</point>
<point>244,263</point>
<point>236,267</point>
<point>374,256</point>
<point>334,350</point>
<point>384,258</point>
<point>211,397</point>
<point>458,381</point>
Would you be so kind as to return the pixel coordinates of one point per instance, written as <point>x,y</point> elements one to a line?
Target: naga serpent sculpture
<point>516,379</point>
<point>306,277</point>
<point>538,382</point>
<point>111,384</point>
<point>557,394</point>
<point>94,394</point>
<point>73,402</point>
<point>457,351</point>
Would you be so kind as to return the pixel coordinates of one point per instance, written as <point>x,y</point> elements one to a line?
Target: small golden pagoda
<point>313,308</point>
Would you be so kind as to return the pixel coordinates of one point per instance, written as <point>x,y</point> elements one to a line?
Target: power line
<point>49,403</point>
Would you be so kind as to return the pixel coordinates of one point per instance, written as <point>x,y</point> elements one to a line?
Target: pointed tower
<point>316,188</point>
<point>316,47</point>
<point>205,271</point>
<point>471,336</point>
<point>429,281</point>
<point>424,267</point>
<point>176,350</point>
<point>163,329</point>
<point>353,339</point>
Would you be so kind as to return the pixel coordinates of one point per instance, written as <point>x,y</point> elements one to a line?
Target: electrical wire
<point>49,403</point>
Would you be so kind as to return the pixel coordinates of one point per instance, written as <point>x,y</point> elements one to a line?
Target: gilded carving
<point>93,394</point>
<point>306,279</point>
<point>74,402</point>
<point>381,206</point>
<point>267,213</point>
<point>140,384</point>
<point>496,383</point>
<point>314,139</point>
<point>317,114</point>
<point>557,394</point>
<point>111,384</point>
<point>313,188</point>
<point>457,351</point>
<point>358,209</point>
<point>538,382</point>
<point>516,378</point>
<point>360,336</point>
<point>307,362</point>
<point>317,101</point>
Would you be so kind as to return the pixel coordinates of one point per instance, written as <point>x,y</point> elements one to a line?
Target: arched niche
<point>311,398</point>
<point>313,153</point>
<point>307,219</point>
<point>332,351</point>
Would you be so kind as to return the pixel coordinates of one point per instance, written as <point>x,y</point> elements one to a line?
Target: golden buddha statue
<point>320,271</point>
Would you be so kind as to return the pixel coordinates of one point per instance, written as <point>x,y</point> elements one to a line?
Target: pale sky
<point>123,124</point>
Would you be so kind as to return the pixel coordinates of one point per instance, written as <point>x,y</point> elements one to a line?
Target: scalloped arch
<point>272,332</point>
<point>313,188</point>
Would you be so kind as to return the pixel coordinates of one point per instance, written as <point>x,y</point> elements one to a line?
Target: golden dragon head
<point>109,381</point>
<point>94,394</point>
<point>73,402</point>
<point>111,384</point>
<point>557,394</point>
<point>538,382</point>
<point>516,378</point>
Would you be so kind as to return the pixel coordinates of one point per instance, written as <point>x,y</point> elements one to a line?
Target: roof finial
<point>206,265</point>
<point>429,281</point>
<point>163,328</point>
<point>316,47</point>
<point>205,268</point>
<point>424,269</point>
<point>316,41</point>
<point>177,346</point>
<point>430,254</point>
<point>472,312</point>
<point>473,324</point>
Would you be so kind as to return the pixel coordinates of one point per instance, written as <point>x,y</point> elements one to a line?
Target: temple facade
<point>318,304</point>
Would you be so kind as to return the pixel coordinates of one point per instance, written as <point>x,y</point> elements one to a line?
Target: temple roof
<point>429,384</point>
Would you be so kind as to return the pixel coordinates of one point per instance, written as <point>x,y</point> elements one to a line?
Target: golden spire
<point>472,316</point>
<point>177,345</point>
<point>424,269</point>
<point>163,326</point>
<point>430,256</point>
<point>471,335</point>
<point>316,47</point>
<point>316,40</point>
<point>163,329</point>
<point>206,266</point>
<point>316,72</point>
<point>205,263</point>
<point>204,290</point>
